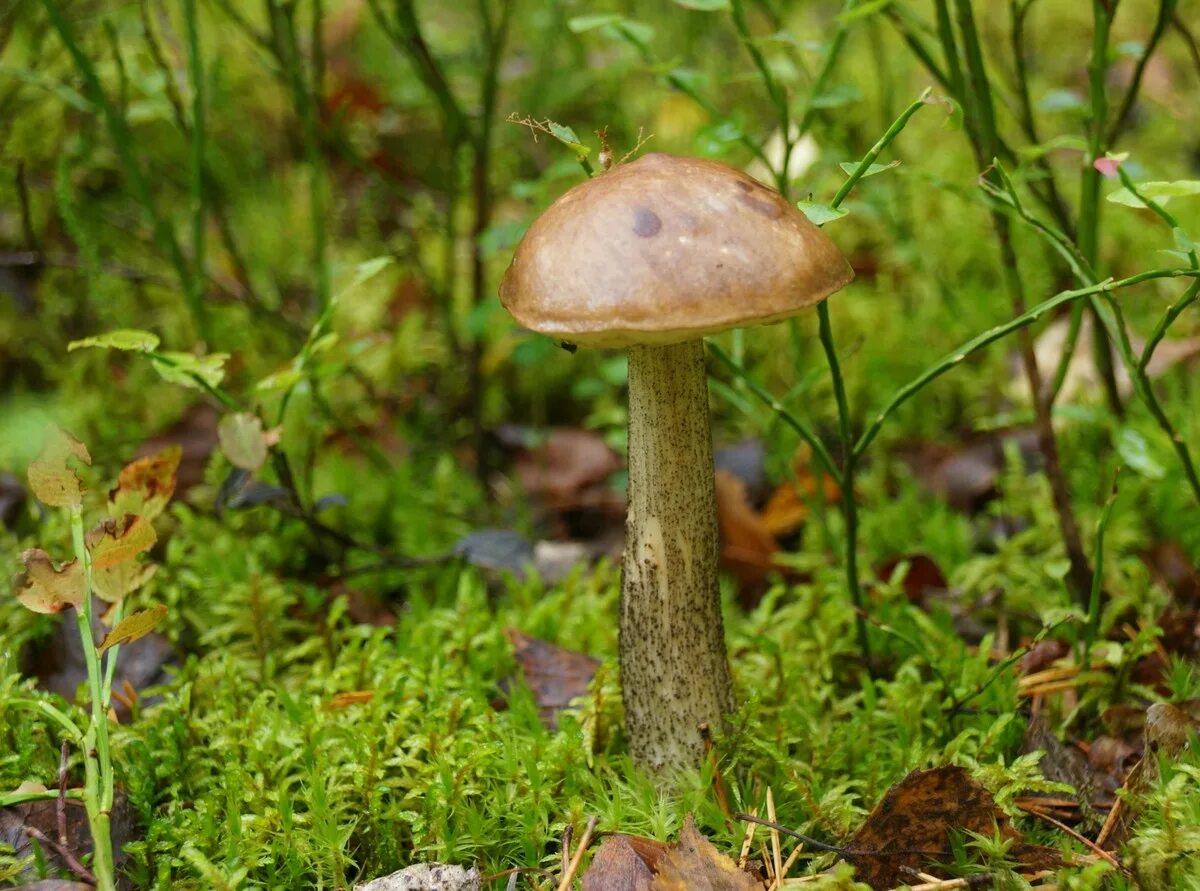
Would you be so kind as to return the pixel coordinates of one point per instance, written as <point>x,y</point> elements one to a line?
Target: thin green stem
<point>764,396</point>
<point>12,799</point>
<point>196,180</point>
<point>98,772</point>
<point>1166,9</point>
<point>950,360</point>
<point>884,141</point>
<point>59,717</point>
<point>1093,605</point>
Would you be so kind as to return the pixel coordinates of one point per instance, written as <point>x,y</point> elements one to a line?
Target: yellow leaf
<point>44,589</point>
<point>53,482</point>
<point>133,627</point>
<point>115,541</point>
<point>114,582</point>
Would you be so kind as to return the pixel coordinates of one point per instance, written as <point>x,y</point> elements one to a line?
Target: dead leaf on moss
<point>620,866</point>
<point>133,627</point>
<point>145,485</point>
<point>44,589</point>
<point>747,547</point>
<point>922,578</point>
<point>51,478</point>
<point>910,828</point>
<point>694,864</point>
<point>554,675</point>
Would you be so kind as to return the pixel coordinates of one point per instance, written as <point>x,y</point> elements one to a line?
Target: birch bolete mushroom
<point>652,256</point>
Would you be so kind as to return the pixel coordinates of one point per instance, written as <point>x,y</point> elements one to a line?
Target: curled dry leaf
<point>51,478</point>
<point>693,864</point>
<point>133,627</point>
<point>146,485</point>
<point>620,866</point>
<point>44,589</point>
<point>910,828</point>
<point>243,440</point>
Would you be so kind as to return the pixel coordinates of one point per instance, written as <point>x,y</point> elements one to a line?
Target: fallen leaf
<point>500,550</point>
<point>693,864</point>
<point>617,866</point>
<point>747,460</point>
<point>554,675</point>
<point>747,548</point>
<point>43,816</point>
<point>910,828</point>
<point>1175,571</point>
<point>965,474</point>
<point>133,627</point>
<point>44,589</point>
<point>923,577</point>
<point>116,541</point>
<point>243,440</point>
<point>562,465</point>
<point>145,485</point>
<point>51,479</point>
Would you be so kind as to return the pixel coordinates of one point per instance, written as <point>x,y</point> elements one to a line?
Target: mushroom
<point>652,256</point>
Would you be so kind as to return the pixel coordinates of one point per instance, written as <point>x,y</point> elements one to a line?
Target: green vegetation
<point>278,229</point>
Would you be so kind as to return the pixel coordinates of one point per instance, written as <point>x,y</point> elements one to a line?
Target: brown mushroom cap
<point>668,249</point>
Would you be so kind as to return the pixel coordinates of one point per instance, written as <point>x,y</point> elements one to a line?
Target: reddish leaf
<point>693,864</point>
<point>44,589</point>
<point>51,478</point>
<point>145,485</point>
<point>617,866</point>
<point>568,461</point>
<point>747,548</point>
<point>924,576</point>
<point>555,676</point>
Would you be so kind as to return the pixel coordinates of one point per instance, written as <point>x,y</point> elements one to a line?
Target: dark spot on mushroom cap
<point>768,206</point>
<point>646,222</point>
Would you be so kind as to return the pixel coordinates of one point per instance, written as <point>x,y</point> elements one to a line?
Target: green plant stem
<point>1166,10</point>
<point>196,180</point>
<point>1093,604</point>
<point>884,141</point>
<point>937,369</point>
<point>98,772</point>
<point>12,799</point>
<point>38,705</point>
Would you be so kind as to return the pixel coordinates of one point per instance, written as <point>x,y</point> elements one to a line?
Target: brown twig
<point>68,858</point>
<point>573,866</point>
<point>61,804</point>
<point>1082,839</point>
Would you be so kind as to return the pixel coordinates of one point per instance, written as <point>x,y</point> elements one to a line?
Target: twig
<point>61,803</point>
<point>67,857</point>
<point>566,847</point>
<point>747,840</point>
<point>573,866</point>
<point>710,752</point>
<point>1083,840</point>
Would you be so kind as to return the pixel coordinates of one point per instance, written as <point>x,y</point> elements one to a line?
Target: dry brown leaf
<point>567,462</point>
<point>555,676</point>
<point>747,548</point>
<point>51,478</point>
<point>44,589</point>
<point>911,826</point>
<point>693,864</point>
<point>145,485</point>
<point>115,541</point>
<point>133,627</point>
<point>787,509</point>
<point>345,700</point>
<point>619,866</point>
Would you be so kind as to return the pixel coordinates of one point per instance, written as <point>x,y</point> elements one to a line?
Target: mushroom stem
<point>674,670</point>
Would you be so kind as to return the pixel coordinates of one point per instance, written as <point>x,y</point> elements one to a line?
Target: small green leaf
<point>283,379</point>
<point>837,95</point>
<point>133,627</point>
<point>1135,453</point>
<point>581,23</point>
<point>704,5</point>
<point>568,137</point>
<point>124,339</point>
<point>364,272</point>
<point>1183,241</point>
<point>820,214</point>
<point>185,368</point>
<point>1062,100</point>
<point>850,166</point>
<point>1057,569</point>
<point>1160,192</point>
<point>639,32</point>
<point>243,440</point>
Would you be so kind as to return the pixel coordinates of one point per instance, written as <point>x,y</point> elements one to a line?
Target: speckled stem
<point>674,671</point>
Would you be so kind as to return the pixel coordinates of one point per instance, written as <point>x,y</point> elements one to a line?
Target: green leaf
<point>1062,100</point>
<point>640,32</point>
<point>820,214</point>
<point>568,137</point>
<point>581,23</point>
<point>124,339</point>
<point>863,10</point>
<point>185,368</point>
<point>364,272</point>
<point>1161,192</point>
<point>133,627</point>
<point>283,379</point>
<point>243,440</point>
<point>1135,453</point>
<point>1183,241</point>
<point>704,5</point>
<point>850,166</point>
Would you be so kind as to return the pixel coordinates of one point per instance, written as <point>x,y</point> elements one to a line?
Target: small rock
<point>427,877</point>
